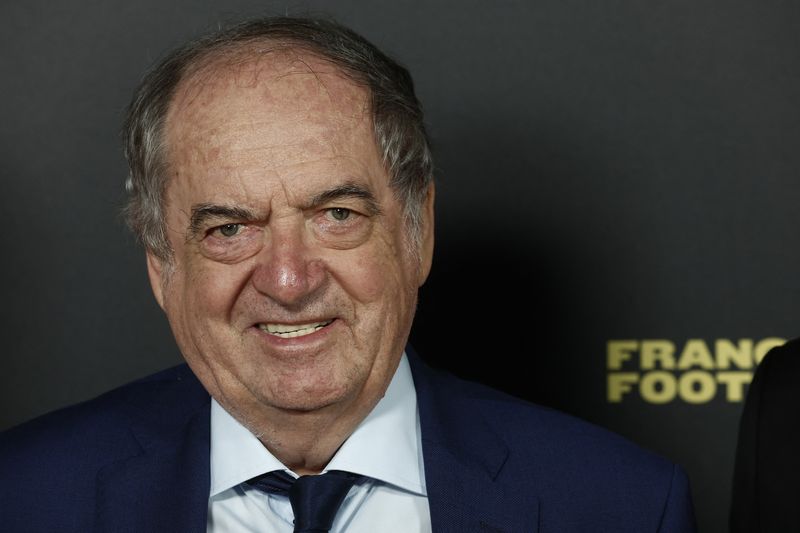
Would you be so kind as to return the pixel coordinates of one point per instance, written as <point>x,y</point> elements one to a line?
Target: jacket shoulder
<point>532,430</point>
<point>596,479</point>
<point>150,399</point>
<point>782,361</point>
<point>765,491</point>
<point>55,458</point>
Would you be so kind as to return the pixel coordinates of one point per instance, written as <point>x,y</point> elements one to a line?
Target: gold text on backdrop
<point>694,374</point>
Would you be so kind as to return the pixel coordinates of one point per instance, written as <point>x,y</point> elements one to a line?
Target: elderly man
<point>281,185</point>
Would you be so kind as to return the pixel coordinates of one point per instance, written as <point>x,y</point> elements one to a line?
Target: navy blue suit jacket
<point>137,459</point>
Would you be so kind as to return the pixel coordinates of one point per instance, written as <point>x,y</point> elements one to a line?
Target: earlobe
<point>155,271</point>
<point>426,241</point>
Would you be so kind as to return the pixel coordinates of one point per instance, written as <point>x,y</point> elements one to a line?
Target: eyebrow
<point>202,213</point>
<point>347,190</point>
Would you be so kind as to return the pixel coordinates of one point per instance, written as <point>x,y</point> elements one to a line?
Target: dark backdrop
<point>608,171</point>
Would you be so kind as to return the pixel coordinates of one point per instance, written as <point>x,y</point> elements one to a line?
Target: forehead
<point>285,104</point>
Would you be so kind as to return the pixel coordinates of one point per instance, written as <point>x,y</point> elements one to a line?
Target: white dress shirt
<point>386,447</point>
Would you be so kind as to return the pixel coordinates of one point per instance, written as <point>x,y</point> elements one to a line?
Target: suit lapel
<point>166,486</point>
<point>464,462</point>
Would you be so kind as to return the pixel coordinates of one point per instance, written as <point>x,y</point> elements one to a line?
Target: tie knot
<point>315,499</point>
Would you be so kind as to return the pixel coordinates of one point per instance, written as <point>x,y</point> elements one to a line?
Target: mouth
<point>289,331</point>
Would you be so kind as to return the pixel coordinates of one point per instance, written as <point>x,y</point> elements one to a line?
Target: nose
<point>288,271</point>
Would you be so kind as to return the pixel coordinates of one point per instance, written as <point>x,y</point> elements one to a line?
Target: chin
<point>311,397</point>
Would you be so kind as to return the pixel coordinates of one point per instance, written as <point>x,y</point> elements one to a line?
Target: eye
<point>339,213</point>
<point>229,230</point>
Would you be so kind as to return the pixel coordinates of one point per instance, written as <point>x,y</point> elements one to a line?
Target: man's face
<point>293,285</point>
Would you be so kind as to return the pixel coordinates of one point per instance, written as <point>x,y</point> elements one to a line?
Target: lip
<point>309,339</point>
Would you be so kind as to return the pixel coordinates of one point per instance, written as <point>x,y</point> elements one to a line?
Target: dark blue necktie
<point>315,499</point>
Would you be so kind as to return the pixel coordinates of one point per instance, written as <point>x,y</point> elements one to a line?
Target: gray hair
<point>396,115</point>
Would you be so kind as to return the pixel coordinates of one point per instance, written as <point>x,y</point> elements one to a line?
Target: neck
<point>306,441</point>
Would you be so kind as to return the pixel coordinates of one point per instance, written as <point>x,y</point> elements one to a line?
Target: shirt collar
<point>392,426</point>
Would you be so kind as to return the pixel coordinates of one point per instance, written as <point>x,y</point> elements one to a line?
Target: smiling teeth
<point>287,331</point>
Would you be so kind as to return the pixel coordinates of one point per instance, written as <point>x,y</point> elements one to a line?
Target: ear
<point>155,271</point>
<point>426,240</point>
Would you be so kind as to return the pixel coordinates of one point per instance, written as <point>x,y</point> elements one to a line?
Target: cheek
<point>210,291</point>
<point>375,278</point>
<point>233,250</point>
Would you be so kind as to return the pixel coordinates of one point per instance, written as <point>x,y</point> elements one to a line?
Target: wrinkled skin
<point>279,213</point>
